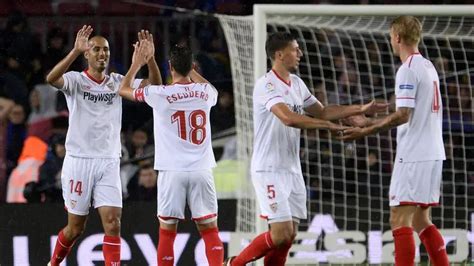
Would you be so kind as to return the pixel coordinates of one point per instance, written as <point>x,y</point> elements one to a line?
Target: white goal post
<point>347,59</point>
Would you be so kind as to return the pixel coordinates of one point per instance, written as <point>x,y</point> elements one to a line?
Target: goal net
<point>347,59</point>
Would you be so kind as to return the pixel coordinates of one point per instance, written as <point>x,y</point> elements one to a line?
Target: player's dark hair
<point>277,41</point>
<point>181,59</point>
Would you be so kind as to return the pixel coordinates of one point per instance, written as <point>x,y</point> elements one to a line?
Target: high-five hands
<point>142,52</point>
<point>146,35</point>
<point>82,39</point>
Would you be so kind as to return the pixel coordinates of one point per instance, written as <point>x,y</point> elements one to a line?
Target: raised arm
<point>55,76</point>
<point>154,75</point>
<point>141,55</point>
<point>296,120</point>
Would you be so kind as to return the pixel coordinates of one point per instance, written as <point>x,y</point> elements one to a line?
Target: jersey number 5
<point>435,106</point>
<point>197,123</point>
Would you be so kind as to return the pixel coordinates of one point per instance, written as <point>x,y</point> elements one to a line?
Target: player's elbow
<point>50,79</point>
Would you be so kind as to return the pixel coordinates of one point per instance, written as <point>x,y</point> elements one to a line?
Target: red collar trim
<point>182,83</point>
<point>411,58</point>
<point>92,78</point>
<point>280,78</point>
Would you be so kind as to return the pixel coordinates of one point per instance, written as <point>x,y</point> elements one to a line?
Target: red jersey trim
<point>278,96</point>
<point>182,83</point>
<point>409,203</point>
<point>280,78</point>
<point>205,217</point>
<point>92,78</point>
<point>411,58</point>
<point>263,216</point>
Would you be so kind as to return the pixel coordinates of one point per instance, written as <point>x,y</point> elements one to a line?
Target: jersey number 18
<point>197,124</point>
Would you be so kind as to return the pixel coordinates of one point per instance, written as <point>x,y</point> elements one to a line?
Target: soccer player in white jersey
<point>91,167</point>
<point>280,100</point>
<point>416,177</point>
<point>183,150</point>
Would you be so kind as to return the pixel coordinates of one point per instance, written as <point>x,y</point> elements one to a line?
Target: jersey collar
<point>280,78</point>
<point>86,72</point>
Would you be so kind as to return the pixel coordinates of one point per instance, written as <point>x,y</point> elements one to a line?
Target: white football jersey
<point>95,115</point>
<point>417,87</point>
<point>181,125</point>
<point>276,146</point>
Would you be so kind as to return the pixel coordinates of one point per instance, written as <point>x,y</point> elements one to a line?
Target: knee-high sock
<point>277,256</point>
<point>258,248</point>
<point>165,247</point>
<point>111,250</point>
<point>61,249</point>
<point>434,244</point>
<point>214,246</point>
<point>404,246</point>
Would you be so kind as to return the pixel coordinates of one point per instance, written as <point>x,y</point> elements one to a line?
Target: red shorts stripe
<point>205,217</point>
<point>409,203</point>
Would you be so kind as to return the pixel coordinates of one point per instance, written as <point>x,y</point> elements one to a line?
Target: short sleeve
<point>71,79</point>
<point>266,94</point>
<point>213,94</point>
<point>405,88</point>
<point>308,98</point>
<point>148,94</point>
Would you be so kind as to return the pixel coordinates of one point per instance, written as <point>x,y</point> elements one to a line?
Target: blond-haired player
<point>91,167</point>
<point>416,177</point>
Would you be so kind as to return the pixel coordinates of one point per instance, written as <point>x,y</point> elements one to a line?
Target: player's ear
<point>86,55</point>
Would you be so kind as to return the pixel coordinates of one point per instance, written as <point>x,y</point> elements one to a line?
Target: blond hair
<point>408,28</point>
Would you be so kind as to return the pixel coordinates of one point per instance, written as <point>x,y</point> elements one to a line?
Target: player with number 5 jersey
<point>183,150</point>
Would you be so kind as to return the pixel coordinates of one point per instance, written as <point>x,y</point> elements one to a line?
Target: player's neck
<point>282,72</point>
<point>407,51</point>
<point>178,79</point>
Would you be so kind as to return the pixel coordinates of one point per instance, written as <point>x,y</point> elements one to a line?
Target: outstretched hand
<point>146,35</point>
<point>374,107</point>
<point>141,53</point>
<point>353,133</point>
<point>82,39</point>
<point>356,121</point>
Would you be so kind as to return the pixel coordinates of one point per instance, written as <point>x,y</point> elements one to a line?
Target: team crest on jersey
<point>110,86</point>
<point>270,87</point>
<point>274,207</point>
<point>73,204</point>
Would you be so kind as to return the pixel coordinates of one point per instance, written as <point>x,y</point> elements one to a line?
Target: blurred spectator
<point>50,172</point>
<point>27,170</point>
<point>5,107</point>
<point>19,51</point>
<point>138,145</point>
<point>43,109</point>
<point>223,115</point>
<point>15,136</point>
<point>143,186</point>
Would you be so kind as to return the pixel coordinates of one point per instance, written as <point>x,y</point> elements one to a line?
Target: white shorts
<point>197,188</point>
<point>86,180</point>
<point>282,196</point>
<point>416,183</point>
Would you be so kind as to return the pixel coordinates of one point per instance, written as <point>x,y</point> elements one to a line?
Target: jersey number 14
<point>197,125</point>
